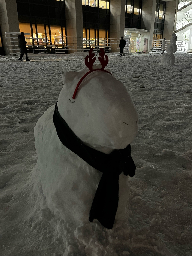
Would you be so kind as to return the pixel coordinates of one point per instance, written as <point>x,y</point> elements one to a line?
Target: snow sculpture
<point>82,144</point>
<point>168,59</point>
<point>173,42</point>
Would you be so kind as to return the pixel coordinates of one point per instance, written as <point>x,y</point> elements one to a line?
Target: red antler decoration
<point>89,60</point>
<point>103,58</point>
<point>91,57</point>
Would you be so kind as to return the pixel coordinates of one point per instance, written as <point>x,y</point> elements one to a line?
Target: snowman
<point>83,147</point>
<point>169,58</point>
<point>173,42</point>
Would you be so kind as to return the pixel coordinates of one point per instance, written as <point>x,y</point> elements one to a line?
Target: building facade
<point>183,25</point>
<point>81,24</point>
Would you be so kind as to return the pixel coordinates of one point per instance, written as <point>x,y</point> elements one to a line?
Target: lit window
<point>129,8</point>
<point>136,11</point>
<point>102,4</point>
<point>160,14</point>
<point>92,3</point>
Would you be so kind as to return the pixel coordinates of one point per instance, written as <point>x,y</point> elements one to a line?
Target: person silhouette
<point>22,45</point>
<point>122,45</point>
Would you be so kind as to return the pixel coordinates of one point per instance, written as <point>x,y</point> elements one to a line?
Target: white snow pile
<point>158,203</point>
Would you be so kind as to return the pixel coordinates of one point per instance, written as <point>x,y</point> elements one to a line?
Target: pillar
<point>148,17</point>
<point>74,24</point>
<point>117,22</point>
<point>169,25</point>
<point>8,21</point>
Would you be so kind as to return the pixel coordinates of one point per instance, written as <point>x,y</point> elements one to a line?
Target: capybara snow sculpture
<point>83,147</point>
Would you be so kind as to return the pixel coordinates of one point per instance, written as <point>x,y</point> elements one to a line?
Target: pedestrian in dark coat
<point>22,45</point>
<point>122,45</point>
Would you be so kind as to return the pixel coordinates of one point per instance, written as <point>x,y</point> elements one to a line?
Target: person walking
<point>163,45</point>
<point>122,45</point>
<point>22,45</point>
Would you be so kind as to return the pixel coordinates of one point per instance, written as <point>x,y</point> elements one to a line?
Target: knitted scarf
<point>105,202</point>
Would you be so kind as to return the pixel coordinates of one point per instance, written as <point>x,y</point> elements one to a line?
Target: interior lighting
<point>135,10</point>
<point>156,14</point>
<point>129,8</point>
<point>160,14</point>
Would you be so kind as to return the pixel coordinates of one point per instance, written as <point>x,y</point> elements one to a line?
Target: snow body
<point>103,117</point>
<point>169,58</point>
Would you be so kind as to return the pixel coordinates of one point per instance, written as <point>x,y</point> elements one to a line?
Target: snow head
<point>102,114</point>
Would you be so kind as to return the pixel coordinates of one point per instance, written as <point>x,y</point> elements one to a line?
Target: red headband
<point>89,60</point>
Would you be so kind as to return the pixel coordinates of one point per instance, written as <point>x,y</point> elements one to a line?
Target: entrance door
<point>2,52</point>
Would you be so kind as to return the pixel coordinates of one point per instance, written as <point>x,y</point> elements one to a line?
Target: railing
<point>59,45</point>
<point>157,45</point>
<point>11,42</point>
<point>181,46</point>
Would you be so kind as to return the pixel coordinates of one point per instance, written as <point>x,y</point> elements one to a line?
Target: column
<point>148,18</point>
<point>169,25</point>
<point>117,21</point>
<point>74,24</point>
<point>8,20</point>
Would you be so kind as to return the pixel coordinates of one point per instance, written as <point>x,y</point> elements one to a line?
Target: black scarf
<point>105,202</point>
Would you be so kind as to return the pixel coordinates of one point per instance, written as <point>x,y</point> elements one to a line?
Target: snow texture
<point>159,204</point>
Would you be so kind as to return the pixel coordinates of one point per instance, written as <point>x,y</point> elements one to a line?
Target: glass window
<point>84,38</point>
<point>41,34</point>
<point>85,2</point>
<point>128,8</point>
<point>107,5</point>
<point>102,4</point>
<point>34,33</point>
<point>102,34</point>
<point>47,33</point>
<point>26,28</point>
<point>92,37</point>
<point>137,11</point>
<point>92,3</point>
<point>55,34</point>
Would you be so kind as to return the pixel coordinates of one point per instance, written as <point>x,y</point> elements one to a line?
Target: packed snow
<point>159,205</point>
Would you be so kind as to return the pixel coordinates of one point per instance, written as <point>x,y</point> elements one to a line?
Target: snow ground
<point>159,206</point>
